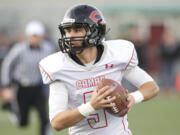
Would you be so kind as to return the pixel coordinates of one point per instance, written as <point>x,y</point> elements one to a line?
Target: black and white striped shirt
<point>21,64</point>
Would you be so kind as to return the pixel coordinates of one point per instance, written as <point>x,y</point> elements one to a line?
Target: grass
<point>159,116</point>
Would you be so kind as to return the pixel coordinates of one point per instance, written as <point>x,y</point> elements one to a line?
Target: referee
<point>20,76</point>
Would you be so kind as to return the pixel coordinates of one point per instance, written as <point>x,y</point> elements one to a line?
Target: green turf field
<point>159,116</point>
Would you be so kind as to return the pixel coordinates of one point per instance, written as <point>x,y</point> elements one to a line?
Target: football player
<point>84,60</point>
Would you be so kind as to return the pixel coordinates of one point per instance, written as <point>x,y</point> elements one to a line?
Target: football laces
<point>114,108</point>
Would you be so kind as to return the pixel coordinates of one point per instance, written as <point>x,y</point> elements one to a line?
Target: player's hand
<point>131,101</point>
<point>98,99</point>
<point>7,94</point>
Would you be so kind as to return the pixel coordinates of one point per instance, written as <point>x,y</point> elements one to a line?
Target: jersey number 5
<point>98,119</point>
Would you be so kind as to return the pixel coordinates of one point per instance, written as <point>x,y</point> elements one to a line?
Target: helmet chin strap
<point>76,50</point>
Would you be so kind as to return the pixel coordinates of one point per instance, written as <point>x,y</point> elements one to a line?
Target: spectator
<point>140,45</point>
<point>169,54</point>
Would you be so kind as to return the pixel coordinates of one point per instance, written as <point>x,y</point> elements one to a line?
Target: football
<point>121,97</point>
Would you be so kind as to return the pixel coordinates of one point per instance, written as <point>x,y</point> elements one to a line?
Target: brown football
<point>121,97</point>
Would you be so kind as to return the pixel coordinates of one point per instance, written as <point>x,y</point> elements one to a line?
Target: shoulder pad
<point>50,65</point>
<point>124,51</point>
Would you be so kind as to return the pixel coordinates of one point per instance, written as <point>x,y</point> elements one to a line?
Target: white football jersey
<point>118,56</point>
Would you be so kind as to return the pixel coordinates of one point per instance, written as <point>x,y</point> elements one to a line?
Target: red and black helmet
<point>85,16</point>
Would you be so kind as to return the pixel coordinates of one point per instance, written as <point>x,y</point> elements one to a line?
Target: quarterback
<point>84,60</point>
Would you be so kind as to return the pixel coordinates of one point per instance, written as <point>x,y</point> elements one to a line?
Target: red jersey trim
<point>46,72</point>
<point>126,131</point>
<point>130,59</point>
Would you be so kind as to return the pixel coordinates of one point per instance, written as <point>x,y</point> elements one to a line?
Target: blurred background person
<point>4,45</point>
<point>133,35</point>
<point>169,51</point>
<point>21,80</point>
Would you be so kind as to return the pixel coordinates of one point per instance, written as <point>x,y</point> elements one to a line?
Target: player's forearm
<point>66,119</point>
<point>149,90</point>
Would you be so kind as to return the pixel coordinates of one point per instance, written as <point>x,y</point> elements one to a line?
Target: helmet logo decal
<point>95,16</point>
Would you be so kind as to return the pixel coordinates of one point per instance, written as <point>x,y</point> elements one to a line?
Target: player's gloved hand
<point>98,99</point>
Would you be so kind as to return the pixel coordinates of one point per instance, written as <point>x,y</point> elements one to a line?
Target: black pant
<point>28,97</point>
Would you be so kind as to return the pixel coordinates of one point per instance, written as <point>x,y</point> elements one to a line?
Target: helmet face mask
<point>82,16</point>
<point>67,41</point>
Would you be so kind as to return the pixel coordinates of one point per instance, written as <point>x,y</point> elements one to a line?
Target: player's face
<point>73,33</point>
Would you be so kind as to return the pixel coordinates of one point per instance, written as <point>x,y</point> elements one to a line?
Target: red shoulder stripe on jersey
<point>46,72</point>
<point>130,59</point>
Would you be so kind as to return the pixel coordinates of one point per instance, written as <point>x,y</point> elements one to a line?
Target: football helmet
<point>85,16</point>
